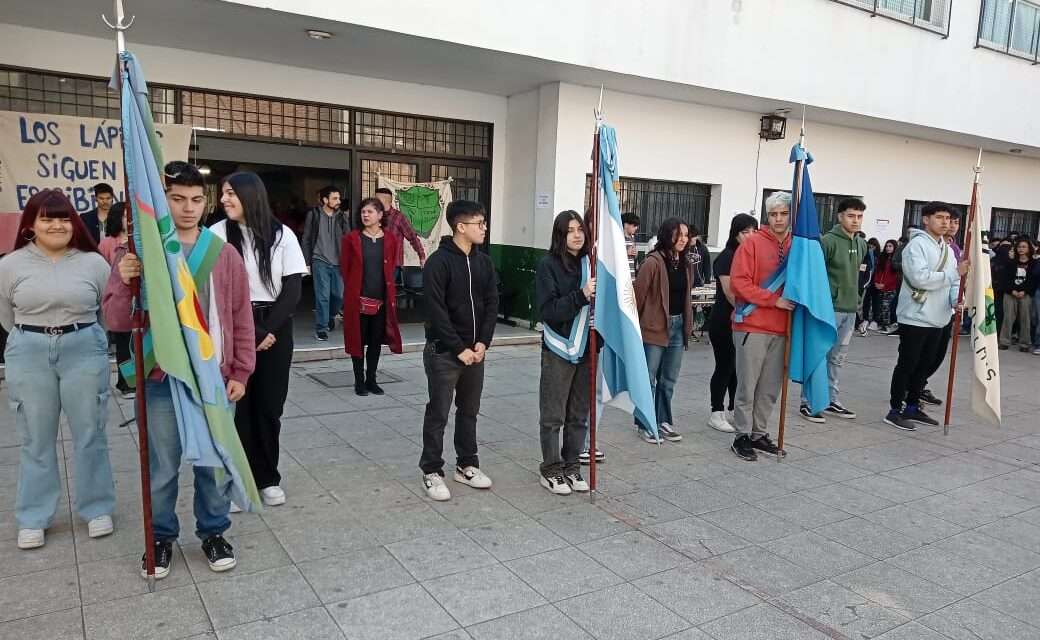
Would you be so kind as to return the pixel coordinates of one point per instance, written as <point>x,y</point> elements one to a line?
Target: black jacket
<point>1005,277</point>
<point>93,224</point>
<point>310,231</point>
<point>461,293</point>
<point>702,273</point>
<point>558,294</point>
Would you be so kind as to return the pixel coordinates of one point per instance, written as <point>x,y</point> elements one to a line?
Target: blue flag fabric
<point>624,377</point>
<point>805,283</point>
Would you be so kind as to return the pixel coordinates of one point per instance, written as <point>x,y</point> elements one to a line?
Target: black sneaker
<point>668,432</point>
<point>742,447</point>
<point>322,336</point>
<point>807,414</point>
<point>373,387</point>
<point>896,419</point>
<point>163,556</point>
<point>914,414</point>
<point>219,552</point>
<point>360,388</point>
<point>332,323</point>
<point>838,411</point>
<point>928,397</point>
<point>766,446</point>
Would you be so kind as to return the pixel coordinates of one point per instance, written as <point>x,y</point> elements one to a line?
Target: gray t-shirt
<point>326,248</point>
<point>36,290</point>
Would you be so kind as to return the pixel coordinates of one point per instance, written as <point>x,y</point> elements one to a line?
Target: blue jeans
<point>664,364</point>
<point>164,459</point>
<point>328,293</point>
<point>47,375</point>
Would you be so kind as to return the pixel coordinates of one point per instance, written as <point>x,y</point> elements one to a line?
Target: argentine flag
<point>624,378</point>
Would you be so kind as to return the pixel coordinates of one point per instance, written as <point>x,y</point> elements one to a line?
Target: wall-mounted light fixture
<point>774,127</point>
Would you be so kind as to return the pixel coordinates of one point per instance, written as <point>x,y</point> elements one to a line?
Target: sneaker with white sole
<point>668,432</point>
<point>557,485</point>
<point>163,558</point>
<point>435,487</point>
<point>31,538</point>
<point>873,326</point>
<point>219,553</point>
<point>837,410</point>
<point>235,508</point>
<point>472,476</point>
<point>100,527</point>
<point>718,422</point>
<point>272,496</point>
<point>649,437</point>
<point>576,482</point>
<point>807,414</point>
<point>584,458</point>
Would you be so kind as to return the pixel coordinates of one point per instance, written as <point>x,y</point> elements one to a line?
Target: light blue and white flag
<point>625,380</point>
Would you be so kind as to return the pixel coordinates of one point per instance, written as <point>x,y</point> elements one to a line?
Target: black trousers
<point>871,304</point>
<point>373,331</point>
<point>724,378</point>
<point>122,341</point>
<point>258,415</point>
<point>940,353</point>
<point>446,377</point>
<point>918,347</point>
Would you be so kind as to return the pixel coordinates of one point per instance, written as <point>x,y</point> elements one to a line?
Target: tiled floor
<point>863,532</point>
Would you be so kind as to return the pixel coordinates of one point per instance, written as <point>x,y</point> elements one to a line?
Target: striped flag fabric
<point>624,377</point>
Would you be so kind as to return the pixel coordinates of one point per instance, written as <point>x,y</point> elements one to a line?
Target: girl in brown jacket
<point>663,297</point>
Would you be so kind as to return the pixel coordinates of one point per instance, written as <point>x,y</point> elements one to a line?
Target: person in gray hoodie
<point>931,282</point>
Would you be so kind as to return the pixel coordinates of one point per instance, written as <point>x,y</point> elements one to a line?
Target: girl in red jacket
<point>886,282</point>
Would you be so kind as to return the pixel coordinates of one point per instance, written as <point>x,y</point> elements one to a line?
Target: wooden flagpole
<point>140,403</point>
<point>955,330</point>
<point>593,338</point>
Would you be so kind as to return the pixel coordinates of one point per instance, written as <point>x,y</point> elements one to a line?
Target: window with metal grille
<point>36,92</point>
<point>826,207</point>
<point>467,182</point>
<point>370,170</point>
<point>423,135</point>
<point>654,201</point>
<point>912,217</point>
<point>255,117</point>
<point>1005,222</point>
<point>933,15</point>
<point>1010,26</point>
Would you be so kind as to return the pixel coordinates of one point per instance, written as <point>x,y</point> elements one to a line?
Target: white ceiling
<point>228,29</point>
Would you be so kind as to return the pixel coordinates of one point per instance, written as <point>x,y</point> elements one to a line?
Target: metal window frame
<point>826,217</point>
<point>703,191</point>
<point>875,11</point>
<point>913,219</point>
<point>1005,211</point>
<point>990,45</point>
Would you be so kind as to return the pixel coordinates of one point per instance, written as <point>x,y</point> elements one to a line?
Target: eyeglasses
<point>482,224</point>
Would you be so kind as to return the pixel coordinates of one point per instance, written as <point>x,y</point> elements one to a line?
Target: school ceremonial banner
<point>424,204</point>
<point>42,151</point>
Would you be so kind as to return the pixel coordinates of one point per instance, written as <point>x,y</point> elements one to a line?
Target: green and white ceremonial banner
<point>424,205</point>
<point>980,303</point>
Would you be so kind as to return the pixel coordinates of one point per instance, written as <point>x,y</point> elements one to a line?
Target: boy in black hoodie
<point>461,293</point>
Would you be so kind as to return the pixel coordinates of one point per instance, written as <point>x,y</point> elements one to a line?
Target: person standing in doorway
<point>630,224</point>
<point>397,223</point>
<point>94,220</point>
<point>760,336</point>
<point>370,303</point>
<point>1019,287</point>
<point>462,307</point>
<point>931,281</point>
<point>275,266</point>
<point>322,234</point>
<point>886,284</point>
<point>844,252</point>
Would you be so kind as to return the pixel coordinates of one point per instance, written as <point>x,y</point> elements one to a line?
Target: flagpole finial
<point>121,24</point>
<point>801,135</point>
<point>978,167</point>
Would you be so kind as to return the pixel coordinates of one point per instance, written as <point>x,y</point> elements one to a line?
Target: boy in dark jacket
<point>461,295</point>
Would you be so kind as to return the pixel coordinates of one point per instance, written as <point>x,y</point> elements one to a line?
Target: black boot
<point>359,377</point>
<point>370,384</point>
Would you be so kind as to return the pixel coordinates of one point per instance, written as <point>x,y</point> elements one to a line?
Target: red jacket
<point>755,260</point>
<point>886,279</point>
<point>350,265</point>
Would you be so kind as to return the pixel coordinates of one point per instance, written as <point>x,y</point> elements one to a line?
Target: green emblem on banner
<point>988,326</point>
<point>422,207</point>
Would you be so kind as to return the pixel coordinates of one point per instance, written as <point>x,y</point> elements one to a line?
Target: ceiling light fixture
<point>317,34</point>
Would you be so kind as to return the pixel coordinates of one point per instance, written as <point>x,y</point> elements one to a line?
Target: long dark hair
<point>666,236</point>
<point>375,202</point>
<point>264,227</point>
<point>53,203</point>
<point>740,222</point>
<point>884,257</point>
<point>114,223</point>
<point>558,244</point>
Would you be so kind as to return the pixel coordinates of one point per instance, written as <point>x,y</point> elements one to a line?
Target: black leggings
<point>724,378</point>
<point>373,331</point>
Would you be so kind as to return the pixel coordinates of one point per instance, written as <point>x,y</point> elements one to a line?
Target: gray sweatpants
<point>760,371</point>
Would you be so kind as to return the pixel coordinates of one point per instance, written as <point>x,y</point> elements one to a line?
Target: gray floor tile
<point>414,615</point>
<point>331,534</point>
<point>43,592</point>
<point>751,523</point>
<point>888,488</point>
<point>696,593</point>
<point>696,538</point>
<point>542,623</point>
<point>762,622</point>
<point>844,611</point>
<point>641,509</point>
<point>58,552</point>
<point>563,573</point>
<point>622,613</point>
<point>761,572</point>
<point>633,555</point>
<point>483,594</point>
<point>831,468</point>
<point>743,483</point>
<point>867,537</point>
<point>253,552</point>
<point>803,510</point>
<point>61,625</point>
<point>848,499</point>
<point>972,506</point>
<point>163,615</point>
<point>309,624</point>
<point>350,575</point>
<point>689,634</point>
<point>116,578</point>
<point>435,556</point>
<point>476,508</point>
<point>914,523</point>
<point>406,523</point>
<point>581,523</point>
<point>911,631</point>
<point>950,472</point>
<point>234,600</point>
<point>968,620</point>
<point>695,497</point>
<point>818,554</point>
<point>1016,531</point>
<point>512,539</point>
<point>974,545</point>
<point>896,589</point>
<point>1017,597</point>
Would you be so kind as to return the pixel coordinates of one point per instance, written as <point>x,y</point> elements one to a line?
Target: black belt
<point>55,331</point>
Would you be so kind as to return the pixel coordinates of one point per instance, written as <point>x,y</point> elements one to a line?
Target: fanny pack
<point>370,306</point>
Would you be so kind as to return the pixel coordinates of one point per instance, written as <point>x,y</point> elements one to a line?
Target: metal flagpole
<point>796,198</point>
<point>140,404</point>
<point>973,219</point>
<point>593,338</point>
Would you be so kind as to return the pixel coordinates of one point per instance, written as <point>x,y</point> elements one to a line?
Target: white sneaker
<point>100,527</point>
<point>473,476</point>
<point>235,508</point>
<point>30,538</point>
<point>649,437</point>
<point>873,326</point>
<point>435,487</point>
<point>272,496</point>
<point>718,422</point>
<point>556,485</point>
<point>576,482</point>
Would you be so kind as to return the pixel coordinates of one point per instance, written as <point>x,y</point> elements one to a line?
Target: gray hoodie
<point>921,258</point>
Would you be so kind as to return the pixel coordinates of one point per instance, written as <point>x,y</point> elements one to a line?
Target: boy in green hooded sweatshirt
<point>843,251</point>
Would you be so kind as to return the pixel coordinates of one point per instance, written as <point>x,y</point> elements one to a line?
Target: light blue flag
<point>624,378</point>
